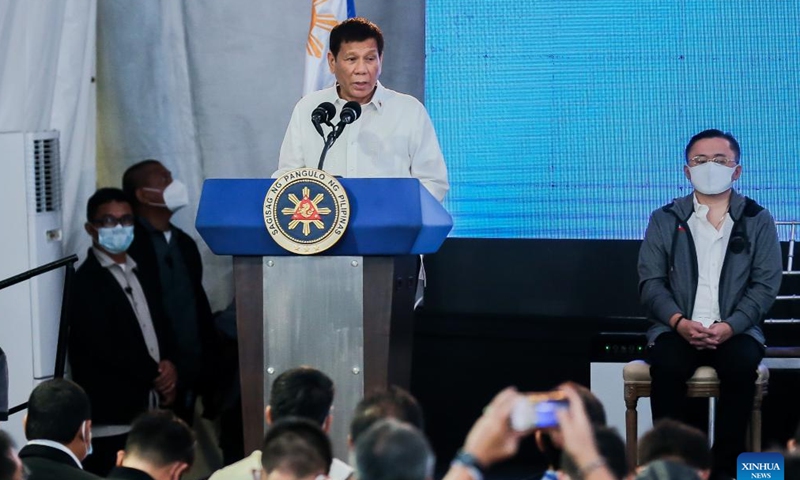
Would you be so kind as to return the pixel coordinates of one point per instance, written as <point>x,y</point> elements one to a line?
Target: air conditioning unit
<point>30,236</point>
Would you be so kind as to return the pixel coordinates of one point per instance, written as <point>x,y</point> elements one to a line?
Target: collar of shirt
<point>57,446</point>
<point>377,101</point>
<point>107,262</point>
<point>702,210</point>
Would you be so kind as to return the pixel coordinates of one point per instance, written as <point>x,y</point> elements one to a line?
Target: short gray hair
<point>393,450</point>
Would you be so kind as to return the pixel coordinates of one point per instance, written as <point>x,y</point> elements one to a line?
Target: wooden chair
<point>704,383</point>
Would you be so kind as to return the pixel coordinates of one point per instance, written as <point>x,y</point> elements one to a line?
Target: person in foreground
<point>295,448</point>
<point>303,392</point>
<point>709,270</point>
<point>492,439</point>
<point>58,427</point>
<point>393,137</point>
<point>160,446</point>
<point>10,464</point>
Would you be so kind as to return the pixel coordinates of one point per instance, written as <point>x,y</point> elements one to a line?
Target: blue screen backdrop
<point>568,118</point>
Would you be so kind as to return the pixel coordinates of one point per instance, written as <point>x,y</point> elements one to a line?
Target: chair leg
<point>755,422</point>
<point>631,424</point>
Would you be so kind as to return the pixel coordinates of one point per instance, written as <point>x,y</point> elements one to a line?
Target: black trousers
<point>673,361</point>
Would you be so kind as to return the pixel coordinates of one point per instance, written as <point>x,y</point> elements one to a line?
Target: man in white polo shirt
<point>393,137</point>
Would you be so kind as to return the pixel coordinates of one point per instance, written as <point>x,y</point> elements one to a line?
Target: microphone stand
<point>335,133</point>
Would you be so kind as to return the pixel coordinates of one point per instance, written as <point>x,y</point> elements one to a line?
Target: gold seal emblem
<point>306,211</point>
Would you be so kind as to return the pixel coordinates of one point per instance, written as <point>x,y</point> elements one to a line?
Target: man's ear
<point>25,426</point>
<point>268,414</point>
<point>791,445</point>
<point>120,458</point>
<point>331,61</point>
<point>326,425</point>
<point>177,469</point>
<point>539,442</point>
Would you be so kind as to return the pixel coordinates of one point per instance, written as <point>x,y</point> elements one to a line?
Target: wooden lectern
<point>347,311</point>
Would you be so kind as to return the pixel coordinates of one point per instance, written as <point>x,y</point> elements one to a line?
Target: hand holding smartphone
<point>537,410</point>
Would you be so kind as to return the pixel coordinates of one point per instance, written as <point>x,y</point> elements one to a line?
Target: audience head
<point>295,448</point>
<point>793,445</point>
<point>791,466</point>
<point>394,402</point>
<point>59,411</point>
<point>550,442</point>
<point>677,442</point>
<point>109,220</point>
<point>611,449</point>
<point>714,133</point>
<point>301,392</point>
<point>393,450</point>
<point>10,464</point>
<point>159,444</point>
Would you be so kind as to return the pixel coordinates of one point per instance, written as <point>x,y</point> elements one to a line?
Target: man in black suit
<point>170,257</point>
<point>58,427</point>
<point>120,345</point>
<point>160,447</point>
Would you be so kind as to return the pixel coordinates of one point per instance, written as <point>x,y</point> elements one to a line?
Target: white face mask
<point>176,196</point>
<point>711,178</point>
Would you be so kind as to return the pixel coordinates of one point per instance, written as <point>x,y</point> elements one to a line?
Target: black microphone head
<point>350,112</point>
<point>324,113</point>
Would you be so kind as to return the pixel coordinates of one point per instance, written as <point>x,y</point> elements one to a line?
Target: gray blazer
<point>751,271</point>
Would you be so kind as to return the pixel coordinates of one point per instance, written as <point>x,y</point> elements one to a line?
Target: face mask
<point>115,239</point>
<point>87,438</point>
<point>175,196</point>
<point>711,178</point>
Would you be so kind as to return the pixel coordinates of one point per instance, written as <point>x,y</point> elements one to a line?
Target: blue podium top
<point>388,216</point>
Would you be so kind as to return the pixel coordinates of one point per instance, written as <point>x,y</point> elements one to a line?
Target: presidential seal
<point>306,211</point>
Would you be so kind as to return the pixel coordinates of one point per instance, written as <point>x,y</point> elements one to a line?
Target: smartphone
<point>537,410</point>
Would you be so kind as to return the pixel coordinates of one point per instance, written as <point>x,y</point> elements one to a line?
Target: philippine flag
<point>325,14</point>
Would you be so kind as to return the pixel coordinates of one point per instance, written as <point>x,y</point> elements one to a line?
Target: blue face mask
<point>115,239</point>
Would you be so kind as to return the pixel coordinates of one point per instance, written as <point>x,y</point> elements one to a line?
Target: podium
<point>347,311</point>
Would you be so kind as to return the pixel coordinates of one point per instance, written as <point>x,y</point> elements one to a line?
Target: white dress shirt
<point>393,137</point>
<point>710,245</point>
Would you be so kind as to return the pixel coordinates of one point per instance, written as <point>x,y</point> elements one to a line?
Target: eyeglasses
<point>702,159</point>
<point>110,221</point>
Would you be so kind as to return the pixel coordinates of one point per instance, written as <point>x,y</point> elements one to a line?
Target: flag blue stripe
<point>351,8</point>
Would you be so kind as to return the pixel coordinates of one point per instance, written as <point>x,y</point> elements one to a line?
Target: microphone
<point>350,113</point>
<point>322,114</point>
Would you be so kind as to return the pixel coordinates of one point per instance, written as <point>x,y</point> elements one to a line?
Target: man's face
<point>357,68</point>
<point>157,178</point>
<point>710,148</point>
<point>109,215</point>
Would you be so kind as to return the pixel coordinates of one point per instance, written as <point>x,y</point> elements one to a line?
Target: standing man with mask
<point>709,269</point>
<point>119,340</point>
<point>58,426</point>
<point>393,137</point>
<point>169,258</point>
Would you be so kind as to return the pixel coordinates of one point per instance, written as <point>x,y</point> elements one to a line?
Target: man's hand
<point>491,438</point>
<point>696,334</point>
<point>719,333</point>
<point>167,379</point>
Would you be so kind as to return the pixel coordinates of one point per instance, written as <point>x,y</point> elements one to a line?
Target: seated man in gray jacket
<point>709,269</point>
